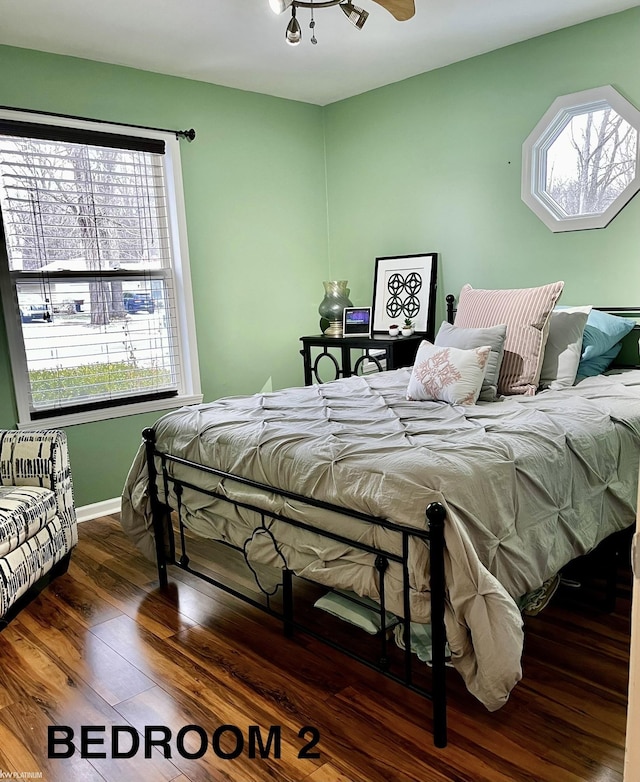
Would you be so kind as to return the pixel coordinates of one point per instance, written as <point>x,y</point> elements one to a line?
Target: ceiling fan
<point>400,9</point>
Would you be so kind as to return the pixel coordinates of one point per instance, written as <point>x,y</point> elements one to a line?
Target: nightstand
<point>398,352</point>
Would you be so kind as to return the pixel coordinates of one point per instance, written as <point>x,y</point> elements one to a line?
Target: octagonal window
<point>580,163</point>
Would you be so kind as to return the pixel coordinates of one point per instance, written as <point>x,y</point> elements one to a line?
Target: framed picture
<point>404,286</point>
<point>356,321</point>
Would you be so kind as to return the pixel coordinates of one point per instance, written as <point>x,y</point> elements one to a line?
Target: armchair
<point>38,526</point>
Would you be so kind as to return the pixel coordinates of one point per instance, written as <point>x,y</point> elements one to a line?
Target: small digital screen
<point>357,320</point>
<point>358,317</point>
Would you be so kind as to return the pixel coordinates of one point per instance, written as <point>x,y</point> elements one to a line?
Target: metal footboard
<point>433,535</point>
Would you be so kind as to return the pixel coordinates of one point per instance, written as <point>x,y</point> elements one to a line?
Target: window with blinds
<point>90,267</point>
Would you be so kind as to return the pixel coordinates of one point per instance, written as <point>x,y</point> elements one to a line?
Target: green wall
<point>254,184</point>
<point>428,164</point>
<point>433,163</point>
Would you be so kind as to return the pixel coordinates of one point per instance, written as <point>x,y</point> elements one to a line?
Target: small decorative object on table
<point>407,327</point>
<point>393,330</point>
<point>336,298</point>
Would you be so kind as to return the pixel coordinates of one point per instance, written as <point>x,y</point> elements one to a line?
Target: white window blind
<point>90,267</point>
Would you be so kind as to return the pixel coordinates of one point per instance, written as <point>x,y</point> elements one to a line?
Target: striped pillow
<point>526,313</point>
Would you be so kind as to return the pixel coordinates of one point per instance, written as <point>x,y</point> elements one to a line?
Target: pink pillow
<point>448,374</point>
<point>526,313</point>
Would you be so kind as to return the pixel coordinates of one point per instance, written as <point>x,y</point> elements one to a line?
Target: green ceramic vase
<point>336,298</point>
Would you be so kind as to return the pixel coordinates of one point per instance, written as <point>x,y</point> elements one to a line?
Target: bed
<point>442,514</point>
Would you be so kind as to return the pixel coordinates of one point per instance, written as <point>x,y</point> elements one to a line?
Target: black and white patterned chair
<point>38,526</point>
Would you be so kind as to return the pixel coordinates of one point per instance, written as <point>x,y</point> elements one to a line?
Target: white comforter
<point>528,483</point>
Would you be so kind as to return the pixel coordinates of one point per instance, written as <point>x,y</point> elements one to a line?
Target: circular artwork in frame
<point>404,288</point>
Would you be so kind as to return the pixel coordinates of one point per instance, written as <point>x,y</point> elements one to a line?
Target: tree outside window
<point>580,163</point>
<point>92,271</point>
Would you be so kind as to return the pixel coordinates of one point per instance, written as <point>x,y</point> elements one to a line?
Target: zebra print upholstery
<point>38,526</point>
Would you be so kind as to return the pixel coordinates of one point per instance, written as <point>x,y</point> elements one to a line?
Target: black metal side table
<point>398,352</point>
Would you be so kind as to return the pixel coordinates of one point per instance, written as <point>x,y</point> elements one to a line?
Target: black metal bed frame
<point>432,535</point>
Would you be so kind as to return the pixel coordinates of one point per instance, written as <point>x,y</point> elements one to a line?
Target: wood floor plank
<point>105,537</point>
<point>236,645</point>
<point>327,773</point>
<point>601,707</point>
<point>571,741</point>
<point>27,671</point>
<point>112,676</point>
<point>506,754</point>
<point>145,607</point>
<point>88,607</point>
<point>250,674</point>
<point>131,568</point>
<point>592,669</point>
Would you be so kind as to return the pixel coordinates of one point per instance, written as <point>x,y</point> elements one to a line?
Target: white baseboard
<point>96,509</point>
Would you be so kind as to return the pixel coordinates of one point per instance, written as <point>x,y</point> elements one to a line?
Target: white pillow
<point>564,347</point>
<point>448,374</point>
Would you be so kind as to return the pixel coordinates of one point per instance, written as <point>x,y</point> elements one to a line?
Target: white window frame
<point>541,138</point>
<point>189,391</point>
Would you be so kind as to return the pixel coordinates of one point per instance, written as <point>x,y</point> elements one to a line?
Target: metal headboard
<point>629,356</point>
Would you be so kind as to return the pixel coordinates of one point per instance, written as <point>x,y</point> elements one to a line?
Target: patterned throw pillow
<point>448,374</point>
<point>526,312</point>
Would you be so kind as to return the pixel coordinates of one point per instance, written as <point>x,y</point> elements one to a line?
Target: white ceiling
<point>240,43</point>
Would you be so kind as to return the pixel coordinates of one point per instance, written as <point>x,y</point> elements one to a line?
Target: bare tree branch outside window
<point>87,239</point>
<point>591,162</point>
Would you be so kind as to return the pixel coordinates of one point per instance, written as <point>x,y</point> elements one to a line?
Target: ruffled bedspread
<point>528,484</point>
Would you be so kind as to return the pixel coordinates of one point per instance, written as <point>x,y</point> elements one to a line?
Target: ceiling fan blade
<point>400,9</point>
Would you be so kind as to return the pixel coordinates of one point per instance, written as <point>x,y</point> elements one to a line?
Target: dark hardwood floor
<point>102,648</point>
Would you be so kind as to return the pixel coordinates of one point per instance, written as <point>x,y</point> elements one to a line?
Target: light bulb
<point>294,32</point>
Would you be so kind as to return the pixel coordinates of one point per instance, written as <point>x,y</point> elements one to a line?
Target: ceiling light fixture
<point>357,16</point>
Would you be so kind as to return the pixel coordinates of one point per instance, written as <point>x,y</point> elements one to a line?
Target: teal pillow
<point>598,364</point>
<point>601,333</point>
